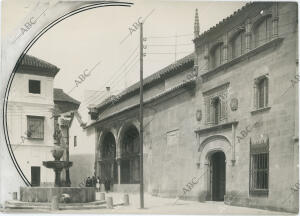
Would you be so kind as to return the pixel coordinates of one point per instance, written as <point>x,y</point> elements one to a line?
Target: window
<point>35,127</point>
<point>238,45</point>
<point>75,141</point>
<point>263,32</point>
<point>216,110</point>
<point>35,86</point>
<point>217,56</point>
<point>261,92</point>
<point>259,168</point>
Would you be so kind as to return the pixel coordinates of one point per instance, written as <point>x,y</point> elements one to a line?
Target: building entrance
<point>218,176</point>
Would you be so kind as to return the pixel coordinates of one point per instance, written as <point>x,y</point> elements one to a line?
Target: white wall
<point>83,155</point>
<point>29,152</point>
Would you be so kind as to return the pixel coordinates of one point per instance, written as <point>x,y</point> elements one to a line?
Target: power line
<point>89,99</point>
<point>112,81</point>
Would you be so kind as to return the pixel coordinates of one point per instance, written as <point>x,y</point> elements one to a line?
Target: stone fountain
<point>45,194</point>
<point>57,165</point>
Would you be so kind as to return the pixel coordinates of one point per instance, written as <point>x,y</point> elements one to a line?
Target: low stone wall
<point>45,194</point>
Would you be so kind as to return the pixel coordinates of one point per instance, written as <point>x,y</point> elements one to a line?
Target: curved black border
<point>44,30</point>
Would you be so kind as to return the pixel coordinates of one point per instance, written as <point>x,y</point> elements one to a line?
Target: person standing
<point>98,184</point>
<point>106,186</point>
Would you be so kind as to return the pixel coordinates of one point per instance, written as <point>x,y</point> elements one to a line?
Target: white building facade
<point>29,118</point>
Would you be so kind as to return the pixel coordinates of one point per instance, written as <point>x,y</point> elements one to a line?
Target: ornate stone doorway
<point>217,176</point>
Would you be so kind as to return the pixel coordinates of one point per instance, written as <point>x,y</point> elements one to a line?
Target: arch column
<point>248,35</point>
<point>275,20</point>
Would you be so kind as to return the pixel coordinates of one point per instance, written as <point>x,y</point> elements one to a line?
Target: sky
<point>91,39</point>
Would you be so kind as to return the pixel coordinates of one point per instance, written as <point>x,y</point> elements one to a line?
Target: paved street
<point>158,205</point>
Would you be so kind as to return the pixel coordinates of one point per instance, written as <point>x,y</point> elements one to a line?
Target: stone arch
<point>256,32</point>
<point>106,148</point>
<point>211,144</point>
<point>216,54</point>
<point>260,19</point>
<point>237,43</point>
<point>235,33</point>
<point>101,136</point>
<point>129,153</point>
<point>120,133</point>
<point>208,147</point>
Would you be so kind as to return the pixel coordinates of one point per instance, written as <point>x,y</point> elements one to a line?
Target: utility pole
<point>175,47</point>
<point>141,119</point>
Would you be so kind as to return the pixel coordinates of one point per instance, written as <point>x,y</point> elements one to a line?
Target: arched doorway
<point>108,165</point>
<point>218,176</point>
<point>130,158</point>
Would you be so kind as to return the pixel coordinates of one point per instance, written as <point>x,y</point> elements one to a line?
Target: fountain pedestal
<point>57,166</point>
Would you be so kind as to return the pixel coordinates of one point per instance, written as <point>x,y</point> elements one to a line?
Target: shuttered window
<point>215,110</point>
<point>35,127</point>
<point>262,93</point>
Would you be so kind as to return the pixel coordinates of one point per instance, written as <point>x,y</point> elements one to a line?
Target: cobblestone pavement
<point>158,205</point>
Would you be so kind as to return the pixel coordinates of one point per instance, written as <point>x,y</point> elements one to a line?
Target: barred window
<point>259,168</point>
<point>35,127</point>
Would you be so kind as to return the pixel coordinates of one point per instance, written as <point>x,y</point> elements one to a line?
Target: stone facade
<point>219,124</point>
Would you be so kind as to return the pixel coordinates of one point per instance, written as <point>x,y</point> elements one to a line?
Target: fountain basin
<point>45,194</point>
<point>57,164</point>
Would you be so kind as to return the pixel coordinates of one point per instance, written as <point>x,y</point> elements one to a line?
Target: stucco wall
<point>31,152</point>
<point>83,155</point>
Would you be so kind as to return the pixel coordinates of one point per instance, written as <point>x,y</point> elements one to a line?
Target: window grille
<point>259,168</point>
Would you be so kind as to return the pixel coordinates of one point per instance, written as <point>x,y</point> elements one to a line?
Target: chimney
<point>196,25</point>
<point>108,90</point>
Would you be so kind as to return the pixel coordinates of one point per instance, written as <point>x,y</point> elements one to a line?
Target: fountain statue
<point>44,194</point>
<point>57,152</point>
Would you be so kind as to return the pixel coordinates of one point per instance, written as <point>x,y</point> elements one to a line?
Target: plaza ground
<point>158,205</point>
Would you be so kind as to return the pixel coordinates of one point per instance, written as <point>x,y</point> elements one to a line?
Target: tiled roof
<point>156,76</point>
<point>60,95</point>
<point>191,84</point>
<point>227,19</point>
<point>35,62</point>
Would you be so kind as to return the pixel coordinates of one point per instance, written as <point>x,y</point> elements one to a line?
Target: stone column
<point>248,35</point>
<point>225,48</point>
<point>255,94</point>
<point>206,57</point>
<point>233,144</point>
<point>119,170</point>
<point>275,20</point>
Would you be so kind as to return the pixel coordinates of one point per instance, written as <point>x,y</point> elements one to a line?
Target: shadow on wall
<point>83,167</point>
